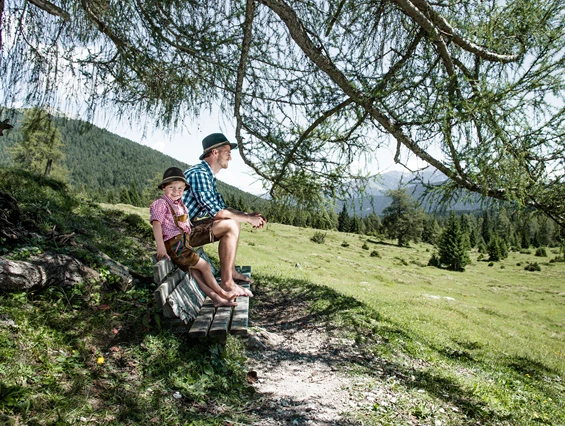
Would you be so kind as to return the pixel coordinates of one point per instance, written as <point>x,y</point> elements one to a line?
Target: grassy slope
<point>495,330</point>
<point>480,347</point>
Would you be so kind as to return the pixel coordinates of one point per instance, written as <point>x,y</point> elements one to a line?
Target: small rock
<point>254,343</point>
<point>177,395</point>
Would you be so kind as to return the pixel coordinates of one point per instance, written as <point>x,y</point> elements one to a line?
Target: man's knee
<point>225,227</point>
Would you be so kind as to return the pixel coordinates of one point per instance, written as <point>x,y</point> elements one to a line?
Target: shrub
<point>365,246</point>
<point>319,237</point>
<point>541,252</point>
<point>494,250</point>
<point>375,253</point>
<point>557,259</point>
<point>345,244</point>
<point>491,264</point>
<point>434,260</point>
<point>525,252</point>
<point>532,267</point>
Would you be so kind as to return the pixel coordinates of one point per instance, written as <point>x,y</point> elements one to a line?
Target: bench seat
<point>188,310</point>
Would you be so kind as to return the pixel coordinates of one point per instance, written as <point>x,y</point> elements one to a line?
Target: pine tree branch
<point>52,9</point>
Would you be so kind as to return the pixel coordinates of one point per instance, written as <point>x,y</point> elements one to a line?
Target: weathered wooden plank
<point>240,317</point>
<point>203,321</point>
<point>221,321</point>
<point>161,294</point>
<point>165,289</point>
<point>245,270</point>
<point>182,300</point>
<point>161,269</point>
<point>186,299</point>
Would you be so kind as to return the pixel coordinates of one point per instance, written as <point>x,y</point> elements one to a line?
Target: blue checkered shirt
<point>202,199</point>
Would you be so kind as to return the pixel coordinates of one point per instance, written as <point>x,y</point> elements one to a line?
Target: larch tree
<point>474,89</point>
<point>41,145</point>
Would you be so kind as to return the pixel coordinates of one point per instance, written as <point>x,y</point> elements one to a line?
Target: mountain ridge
<point>99,160</point>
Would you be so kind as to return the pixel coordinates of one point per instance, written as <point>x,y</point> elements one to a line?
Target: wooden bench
<point>187,309</point>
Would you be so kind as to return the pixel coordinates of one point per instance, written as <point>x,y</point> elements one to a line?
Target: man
<point>212,219</point>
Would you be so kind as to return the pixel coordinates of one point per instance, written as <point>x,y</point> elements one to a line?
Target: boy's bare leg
<point>227,231</point>
<point>206,273</point>
<point>217,300</point>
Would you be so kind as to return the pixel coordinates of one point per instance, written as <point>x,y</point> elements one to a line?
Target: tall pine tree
<point>454,246</point>
<point>344,221</point>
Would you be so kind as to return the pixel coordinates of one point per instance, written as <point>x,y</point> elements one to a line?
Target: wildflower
<point>100,360</point>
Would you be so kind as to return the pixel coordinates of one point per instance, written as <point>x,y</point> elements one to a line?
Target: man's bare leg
<point>227,231</point>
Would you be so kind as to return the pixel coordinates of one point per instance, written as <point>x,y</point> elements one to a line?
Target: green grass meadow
<point>495,332</point>
<point>495,312</point>
<point>480,347</point>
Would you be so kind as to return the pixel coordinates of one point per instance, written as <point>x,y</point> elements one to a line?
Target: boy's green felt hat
<point>173,174</point>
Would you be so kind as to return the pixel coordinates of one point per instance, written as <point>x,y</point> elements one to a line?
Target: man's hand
<point>257,220</point>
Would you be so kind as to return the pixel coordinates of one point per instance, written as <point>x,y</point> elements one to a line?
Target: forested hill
<point>103,163</point>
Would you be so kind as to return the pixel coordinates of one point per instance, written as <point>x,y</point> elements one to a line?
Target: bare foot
<point>237,276</point>
<point>247,292</point>
<point>220,301</point>
<point>229,295</point>
<point>239,290</point>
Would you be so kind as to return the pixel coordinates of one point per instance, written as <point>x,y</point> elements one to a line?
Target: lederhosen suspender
<point>177,223</point>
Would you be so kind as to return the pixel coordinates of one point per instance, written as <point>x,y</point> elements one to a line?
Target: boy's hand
<point>162,254</point>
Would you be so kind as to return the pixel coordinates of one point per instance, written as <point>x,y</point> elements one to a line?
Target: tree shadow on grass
<point>386,244</point>
<point>289,306</point>
<point>109,362</point>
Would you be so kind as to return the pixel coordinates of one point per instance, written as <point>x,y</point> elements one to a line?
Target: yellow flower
<point>100,360</point>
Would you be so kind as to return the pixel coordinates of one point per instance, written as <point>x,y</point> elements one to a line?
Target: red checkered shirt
<point>161,212</point>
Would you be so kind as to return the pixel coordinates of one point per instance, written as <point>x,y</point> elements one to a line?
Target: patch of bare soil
<point>299,367</point>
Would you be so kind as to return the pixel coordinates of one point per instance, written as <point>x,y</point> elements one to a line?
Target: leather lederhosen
<point>178,247</point>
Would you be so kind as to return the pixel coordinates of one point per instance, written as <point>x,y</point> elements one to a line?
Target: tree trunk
<point>48,168</point>
<point>47,269</point>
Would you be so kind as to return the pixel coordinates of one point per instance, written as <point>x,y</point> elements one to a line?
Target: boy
<point>171,228</point>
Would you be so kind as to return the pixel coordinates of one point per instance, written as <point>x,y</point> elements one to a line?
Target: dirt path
<point>299,367</point>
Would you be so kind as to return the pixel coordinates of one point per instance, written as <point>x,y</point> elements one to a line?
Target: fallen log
<point>47,269</point>
<point>122,275</point>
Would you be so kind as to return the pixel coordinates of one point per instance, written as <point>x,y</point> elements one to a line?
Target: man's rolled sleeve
<point>202,199</point>
<point>209,202</point>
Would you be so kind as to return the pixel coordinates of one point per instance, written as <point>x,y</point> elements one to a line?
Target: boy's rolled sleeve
<point>157,211</point>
